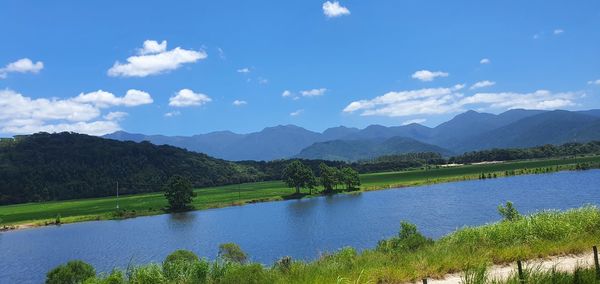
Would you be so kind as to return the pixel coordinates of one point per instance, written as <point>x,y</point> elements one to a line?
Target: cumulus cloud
<point>239,103</point>
<point>115,115</point>
<point>154,58</point>
<point>448,100</point>
<point>20,114</point>
<point>426,75</point>
<point>416,120</point>
<point>594,82</point>
<point>243,70</point>
<point>485,61</point>
<point>187,97</point>
<point>153,47</point>
<point>104,99</point>
<point>24,65</point>
<point>297,113</point>
<point>313,92</point>
<point>287,93</point>
<point>540,99</point>
<point>334,9</point>
<point>482,84</point>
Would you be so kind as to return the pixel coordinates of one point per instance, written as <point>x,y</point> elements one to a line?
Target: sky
<point>190,67</point>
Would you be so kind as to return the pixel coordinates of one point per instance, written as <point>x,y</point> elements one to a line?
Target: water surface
<point>299,228</point>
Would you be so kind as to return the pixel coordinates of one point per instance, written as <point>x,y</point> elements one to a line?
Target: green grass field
<point>152,203</point>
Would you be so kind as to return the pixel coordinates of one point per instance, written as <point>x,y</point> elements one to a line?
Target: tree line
<point>43,166</point>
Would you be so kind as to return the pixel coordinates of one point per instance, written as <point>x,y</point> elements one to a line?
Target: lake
<point>303,229</point>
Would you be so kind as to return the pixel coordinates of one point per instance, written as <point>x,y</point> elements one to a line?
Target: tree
<point>297,175</point>
<point>509,212</point>
<point>231,252</point>
<point>74,272</point>
<point>179,193</point>
<point>350,178</point>
<point>328,177</point>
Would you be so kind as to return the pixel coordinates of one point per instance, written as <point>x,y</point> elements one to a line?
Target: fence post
<point>596,263</point>
<point>520,270</point>
<point>424,280</point>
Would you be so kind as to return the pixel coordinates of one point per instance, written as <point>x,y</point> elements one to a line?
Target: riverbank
<point>40,214</point>
<point>407,257</point>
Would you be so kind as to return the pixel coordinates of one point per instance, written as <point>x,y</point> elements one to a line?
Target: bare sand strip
<point>503,272</point>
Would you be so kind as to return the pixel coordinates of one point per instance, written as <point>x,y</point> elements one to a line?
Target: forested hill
<point>67,165</point>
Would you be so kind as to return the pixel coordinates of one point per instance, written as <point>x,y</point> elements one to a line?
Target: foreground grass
<point>542,234</point>
<point>153,203</point>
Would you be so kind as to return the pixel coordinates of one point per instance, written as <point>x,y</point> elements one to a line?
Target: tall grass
<point>541,234</point>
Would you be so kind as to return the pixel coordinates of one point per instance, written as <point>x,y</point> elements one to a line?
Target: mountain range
<point>467,131</point>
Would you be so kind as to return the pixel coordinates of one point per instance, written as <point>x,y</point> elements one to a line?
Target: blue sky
<point>99,66</point>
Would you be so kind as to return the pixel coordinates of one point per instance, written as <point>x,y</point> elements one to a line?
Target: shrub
<point>231,252</point>
<point>509,212</point>
<point>74,272</point>
<point>247,274</point>
<point>185,266</point>
<point>148,274</point>
<point>180,256</point>
<point>408,239</point>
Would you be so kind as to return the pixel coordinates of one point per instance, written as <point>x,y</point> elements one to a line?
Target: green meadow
<point>231,195</point>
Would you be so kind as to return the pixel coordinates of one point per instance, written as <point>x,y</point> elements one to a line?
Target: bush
<point>184,265</point>
<point>231,252</point>
<point>148,274</point>
<point>509,212</point>
<point>180,256</point>
<point>408,239</point>
<point>247,274</point>
<point>74,272</point>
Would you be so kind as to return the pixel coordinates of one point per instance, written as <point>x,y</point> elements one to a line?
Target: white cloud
<point>416,120</point>
<point>24,115</point>
<point>482,84</point>
<point>485,61</point>
<point>558,31</point>
<point>239,103</point>
<point>221,53</point>
<point>297,113</point>
<point>115,115</point>
<point>540,99</point>
<point>262,80</point>
<point>334,9</point>
<point>243,70</point>
<point>313,92</point>
<point>24,65</point>
<point>286,93</point>
<point>187,97</point>
<point>426,75</point>
<point>104,99</point>
<point>172,113</point>
<point>594,82</point>
<point>154,59</point>
<point>153,47</point>
<point>449,100</point>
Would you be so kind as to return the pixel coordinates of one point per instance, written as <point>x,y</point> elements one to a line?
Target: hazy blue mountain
<point>467,131</point>
<point>353,150</point>
<point>271,143</point>
<point>553,127</point>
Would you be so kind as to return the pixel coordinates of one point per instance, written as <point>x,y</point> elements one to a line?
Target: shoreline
<point>105,216</point>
